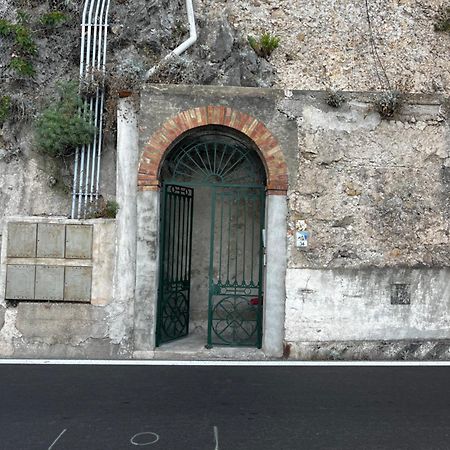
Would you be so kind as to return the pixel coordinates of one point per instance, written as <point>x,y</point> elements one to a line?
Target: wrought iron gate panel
<point>175,263</point>
<point>236,263</point>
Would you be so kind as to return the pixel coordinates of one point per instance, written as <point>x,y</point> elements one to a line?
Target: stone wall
<point>374,196</point>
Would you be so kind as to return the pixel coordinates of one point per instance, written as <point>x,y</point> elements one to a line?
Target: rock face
<point>141,34</point>
<point>329,44</point>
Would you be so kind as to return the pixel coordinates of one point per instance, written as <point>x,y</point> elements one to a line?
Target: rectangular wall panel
<point>20,282</point>
<point>49,283</point>
<point>79,241</point>
<point>21,240</point>
<point>50,240</point>
<point>77,285</point>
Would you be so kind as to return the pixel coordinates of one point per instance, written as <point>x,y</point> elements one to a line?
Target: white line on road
<point>275,363</point>
<point>56,440</point>
<point>216,437</point>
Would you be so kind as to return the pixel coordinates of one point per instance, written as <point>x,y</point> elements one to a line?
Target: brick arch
<point>270,151</point>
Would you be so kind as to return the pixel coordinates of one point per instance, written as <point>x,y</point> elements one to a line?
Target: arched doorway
<point>212,239</point>
<point>147,209</point>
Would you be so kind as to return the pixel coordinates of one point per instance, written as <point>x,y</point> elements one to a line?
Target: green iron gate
<point>235,272</point>
<point>175,263</point>
<point>235,177</point>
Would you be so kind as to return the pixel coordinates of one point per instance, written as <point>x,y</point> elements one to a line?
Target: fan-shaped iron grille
<point>214,162</point>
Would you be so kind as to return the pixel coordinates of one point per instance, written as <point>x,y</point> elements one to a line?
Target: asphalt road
<point>226,408</point>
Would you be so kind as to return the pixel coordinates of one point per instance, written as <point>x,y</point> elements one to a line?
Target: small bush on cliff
<point>53,19</point>
<point>388,103</point>
<point>443,22</point>
<point>64,125</point>
<point>264,45</point>
<point>23,45</point>
<point>5,105</point>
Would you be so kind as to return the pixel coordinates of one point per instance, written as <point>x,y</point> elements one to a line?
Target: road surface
<point>223,408</point>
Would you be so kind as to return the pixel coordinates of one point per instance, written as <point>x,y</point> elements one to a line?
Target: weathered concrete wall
<point>374,196</point>
<point>372,191</point>
<point>62,329</point>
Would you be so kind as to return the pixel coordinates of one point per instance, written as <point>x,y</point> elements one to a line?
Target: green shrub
<point>24,45</point>
<point>443,22</point>
<point>53,19</point>
<point>334,99</point>
<point>64,125</point>
<point>24,40</point>
<point>21,34</point>
<point>388,103</point>
<point>102,209</point>
<point>6,28</point>
<point>22,66</point>
<point>111,209</point>
<point>265,45</point>
<point>5,105</point>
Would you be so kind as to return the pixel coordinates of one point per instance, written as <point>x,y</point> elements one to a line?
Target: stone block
<point>49,283</point>
<point>79,241</point>
<point>50,240</point>
<point>20,282</point>
<point>22,240</point>
<point>77,284</point>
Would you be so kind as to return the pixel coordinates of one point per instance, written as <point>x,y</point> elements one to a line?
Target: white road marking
<point>56,440</point>
<point>274,363</point>
<point>153,438</point>
<point>216,437</point>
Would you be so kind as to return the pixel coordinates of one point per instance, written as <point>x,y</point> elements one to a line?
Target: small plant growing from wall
<point>334,99</point>
<point>443,22</point>
<point>264,45</point>
<point>5,105</point>
<point>102,209</point>
<point>64,125</point>
<point>111,209</point>
<point>24,47</point>
<point>53,19</point>
<point>388,103</point>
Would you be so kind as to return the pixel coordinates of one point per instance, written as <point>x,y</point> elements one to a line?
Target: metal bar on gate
<point>178,236</point>
<point>243,244</point>
<point>222,199</point>
<point>237,238</point>
<point>229,239</point>
<point>169,228</point>
<point>211,265</point>
<point>253,245</point>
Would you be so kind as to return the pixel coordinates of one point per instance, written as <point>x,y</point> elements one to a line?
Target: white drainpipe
<point>182,47</point>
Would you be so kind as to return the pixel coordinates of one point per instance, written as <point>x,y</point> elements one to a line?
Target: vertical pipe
<point>98,123</point>
<point>102,99</point>
<point>77,151</point>
<point>82,191</point>
<point>92,115</point>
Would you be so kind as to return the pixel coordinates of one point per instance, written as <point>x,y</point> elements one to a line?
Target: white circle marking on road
<point>145,433</point>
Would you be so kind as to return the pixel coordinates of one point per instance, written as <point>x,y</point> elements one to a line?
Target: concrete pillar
<point>146,272</point>
<point>127,163</point>
<point>275,283</point>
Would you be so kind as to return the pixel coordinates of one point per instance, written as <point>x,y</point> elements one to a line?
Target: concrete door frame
<point>138,220</point>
